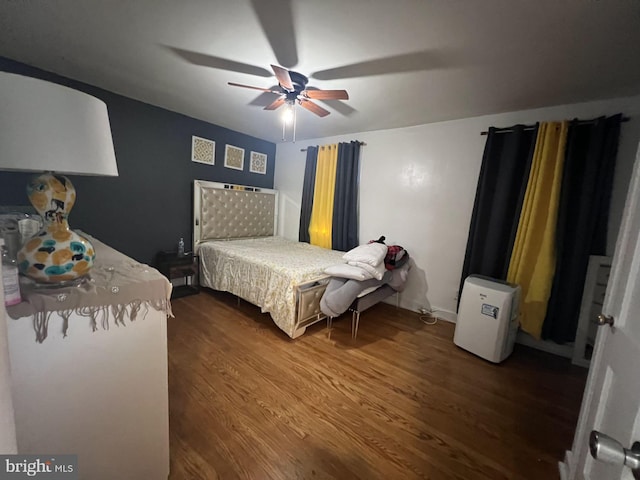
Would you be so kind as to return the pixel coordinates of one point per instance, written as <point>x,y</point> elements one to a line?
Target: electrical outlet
<point>423,310</point>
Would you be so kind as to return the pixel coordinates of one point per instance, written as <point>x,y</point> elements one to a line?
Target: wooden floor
<point>402,401</point>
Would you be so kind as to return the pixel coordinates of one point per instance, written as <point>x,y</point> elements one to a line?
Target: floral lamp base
<point>56,255</point>
<point>47,260</point>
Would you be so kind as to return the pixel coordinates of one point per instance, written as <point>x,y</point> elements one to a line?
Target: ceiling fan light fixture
<point>289,118</point>
<point>288,113</point>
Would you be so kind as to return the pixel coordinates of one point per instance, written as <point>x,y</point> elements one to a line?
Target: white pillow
<point>375,271</point>
<point>371,253</point>
<point>347,271</point>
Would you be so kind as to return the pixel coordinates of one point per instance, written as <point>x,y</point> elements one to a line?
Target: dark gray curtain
<point>501,187</point>
<point>307,194</point>
<point>345,203</point>
<point>583,215</point>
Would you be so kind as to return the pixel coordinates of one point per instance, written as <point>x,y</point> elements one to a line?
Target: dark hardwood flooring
<point>401,401</point>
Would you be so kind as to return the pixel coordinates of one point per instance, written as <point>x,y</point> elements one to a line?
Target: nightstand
<point>185,267</point>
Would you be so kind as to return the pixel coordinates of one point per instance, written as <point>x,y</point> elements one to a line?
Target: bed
<point>234,235</point>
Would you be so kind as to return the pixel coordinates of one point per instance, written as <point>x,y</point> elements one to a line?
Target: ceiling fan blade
<point>277,104</point>
<point>233,84</point>
<point>312,107</point>
<point>337,105</point>
<point>265,98</point>
<point>341,107</point>
<point>326,94</point>
<point>282,74</point>
<point>276,19</point>
<point>211,61</point>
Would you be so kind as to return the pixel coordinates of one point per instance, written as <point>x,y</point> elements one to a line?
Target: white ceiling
<point>405,62</point>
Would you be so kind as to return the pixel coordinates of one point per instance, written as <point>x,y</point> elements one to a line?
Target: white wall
<point>418,185</point>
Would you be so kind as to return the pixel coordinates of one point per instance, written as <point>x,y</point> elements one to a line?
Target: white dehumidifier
<point>488,317</point>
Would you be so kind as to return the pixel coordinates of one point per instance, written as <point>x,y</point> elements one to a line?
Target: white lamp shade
<point>46,126</point>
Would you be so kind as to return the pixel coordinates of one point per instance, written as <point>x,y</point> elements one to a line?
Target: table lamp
<point>50,128</point>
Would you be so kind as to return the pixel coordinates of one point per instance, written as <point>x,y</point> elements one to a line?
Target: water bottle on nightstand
<point>181,247</point>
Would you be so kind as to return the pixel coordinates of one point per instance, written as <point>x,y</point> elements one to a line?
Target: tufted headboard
<point>224,211</point>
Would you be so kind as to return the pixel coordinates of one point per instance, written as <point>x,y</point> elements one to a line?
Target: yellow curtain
<point>323,194</point>
<point>533,260</point>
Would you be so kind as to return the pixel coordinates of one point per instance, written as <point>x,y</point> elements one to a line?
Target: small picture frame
<point>203,150</point>
<point>258,163</point>
<point>234,157</point>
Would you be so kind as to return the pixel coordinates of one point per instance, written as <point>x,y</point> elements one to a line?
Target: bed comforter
<point>265,272</point>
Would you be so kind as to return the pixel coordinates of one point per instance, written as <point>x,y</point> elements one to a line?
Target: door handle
<point>605,320</point>
<point>609,450</point>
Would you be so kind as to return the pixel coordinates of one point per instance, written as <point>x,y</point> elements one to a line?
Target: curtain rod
<point>361,143</point>
<point>531,127</point>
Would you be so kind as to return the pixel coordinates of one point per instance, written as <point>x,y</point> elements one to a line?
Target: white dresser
<point>102,394</point>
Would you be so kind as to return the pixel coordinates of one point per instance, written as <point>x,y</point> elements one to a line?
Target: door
<point>611,403</point>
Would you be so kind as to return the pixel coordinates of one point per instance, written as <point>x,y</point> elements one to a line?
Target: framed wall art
<point>258,163</point>
<point>234,157</point>
<point>203,150</point>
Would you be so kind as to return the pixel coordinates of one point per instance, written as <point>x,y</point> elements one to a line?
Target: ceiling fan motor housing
<point>298,81</point>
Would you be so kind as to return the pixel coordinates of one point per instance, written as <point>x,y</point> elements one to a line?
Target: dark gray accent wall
<point>148,207</point>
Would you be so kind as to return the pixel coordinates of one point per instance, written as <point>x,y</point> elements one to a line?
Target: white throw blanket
<point>370,253</point>
<point>363,262</point>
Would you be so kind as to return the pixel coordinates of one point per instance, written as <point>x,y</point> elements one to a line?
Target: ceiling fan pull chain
<point>294,122</point>
<point>284,127</point>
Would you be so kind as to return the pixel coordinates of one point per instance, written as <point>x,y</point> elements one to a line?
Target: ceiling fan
<point>293,89</point>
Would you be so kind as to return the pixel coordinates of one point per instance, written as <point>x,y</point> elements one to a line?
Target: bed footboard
<point>308,297</point>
